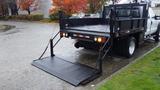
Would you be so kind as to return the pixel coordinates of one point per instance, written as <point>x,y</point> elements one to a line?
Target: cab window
<point>151,13</point>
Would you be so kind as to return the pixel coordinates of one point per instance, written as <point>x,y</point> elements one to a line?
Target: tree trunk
<point>29,12</point>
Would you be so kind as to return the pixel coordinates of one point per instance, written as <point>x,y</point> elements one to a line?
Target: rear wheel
<point>129,47</point>
<point>156,38</point>
<point>125,47</point>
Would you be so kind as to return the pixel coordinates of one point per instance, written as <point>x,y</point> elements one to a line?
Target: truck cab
<point>153,21</point>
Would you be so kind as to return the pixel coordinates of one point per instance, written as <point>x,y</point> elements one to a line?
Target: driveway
<point>25,43</point>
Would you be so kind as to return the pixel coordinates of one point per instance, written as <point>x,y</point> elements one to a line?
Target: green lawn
<point>142,75</point>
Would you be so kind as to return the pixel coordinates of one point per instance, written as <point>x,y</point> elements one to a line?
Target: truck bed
<point>92,28</point>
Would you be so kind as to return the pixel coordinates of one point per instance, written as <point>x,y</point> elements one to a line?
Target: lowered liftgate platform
<point>73,73</point>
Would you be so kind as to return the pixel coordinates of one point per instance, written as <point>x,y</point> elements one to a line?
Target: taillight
<point>100,39</point>
<point>63,34</point>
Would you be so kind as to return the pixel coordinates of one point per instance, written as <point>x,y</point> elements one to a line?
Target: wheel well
<point>139,38</point>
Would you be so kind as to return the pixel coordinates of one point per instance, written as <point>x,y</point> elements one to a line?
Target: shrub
<point>1,17</point>
<point>54,16</point>
<point>36,17</point>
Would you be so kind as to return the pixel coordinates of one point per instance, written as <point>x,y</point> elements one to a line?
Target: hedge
<point>54,16</point>
<point>36,17</point>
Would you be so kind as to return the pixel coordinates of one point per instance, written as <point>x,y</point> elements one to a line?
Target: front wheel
<point>156,38</point>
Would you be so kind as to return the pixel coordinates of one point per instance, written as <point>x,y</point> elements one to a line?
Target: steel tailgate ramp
<point>73,73</point>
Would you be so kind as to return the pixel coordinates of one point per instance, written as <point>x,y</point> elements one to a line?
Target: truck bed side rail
<point>81,22</point>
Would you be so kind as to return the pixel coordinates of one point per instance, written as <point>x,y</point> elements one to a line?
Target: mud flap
<point>73,73</point>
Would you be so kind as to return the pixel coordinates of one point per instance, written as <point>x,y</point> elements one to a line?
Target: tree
<point>95,5</point>
<point>7,7</point>
<point>28,5</point>
<point>3,8</point>
<point>69,6</point>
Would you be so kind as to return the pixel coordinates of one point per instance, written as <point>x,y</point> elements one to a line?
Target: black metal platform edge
<point>66,61</point>
<point>53,74</point>
<point>88,80</point>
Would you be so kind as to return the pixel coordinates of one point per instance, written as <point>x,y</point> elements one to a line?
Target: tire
<point>77,45</point>
<point>156,38</point>
<point>129,47</point>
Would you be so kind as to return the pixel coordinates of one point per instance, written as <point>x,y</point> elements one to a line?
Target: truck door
<point>152,23</point>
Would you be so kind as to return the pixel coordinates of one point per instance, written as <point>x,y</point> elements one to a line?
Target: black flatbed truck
<point>122,26</point>
<point>118,23</point>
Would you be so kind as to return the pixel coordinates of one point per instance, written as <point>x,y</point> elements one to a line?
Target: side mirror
<point>157,17</point>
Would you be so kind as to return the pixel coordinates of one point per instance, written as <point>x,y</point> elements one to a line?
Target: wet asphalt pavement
<point>25,43</point>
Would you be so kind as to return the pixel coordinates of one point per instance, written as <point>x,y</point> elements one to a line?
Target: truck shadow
<point>113,63</point>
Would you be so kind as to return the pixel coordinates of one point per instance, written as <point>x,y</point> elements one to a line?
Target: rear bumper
<point>85,36</point>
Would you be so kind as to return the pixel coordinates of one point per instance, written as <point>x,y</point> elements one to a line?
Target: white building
<point>42,8</point>
<point>155,3</point>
